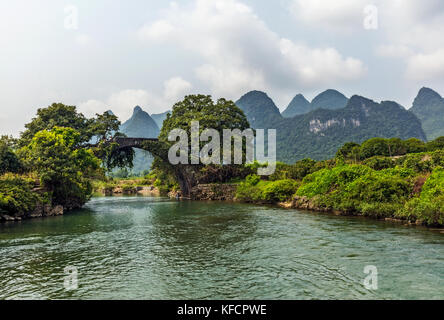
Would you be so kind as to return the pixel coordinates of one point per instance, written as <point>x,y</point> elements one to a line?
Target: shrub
<point>437,144</point>
<point>429,206</point>
<point>280,190</point>
<point>16,195</point>
<point>325,180</point>
<point>416,162</point>
<point>252,179</point>
<point>379,163</point>
<point>378,187</point>
<point>9,162</point>
<point>379,210</point>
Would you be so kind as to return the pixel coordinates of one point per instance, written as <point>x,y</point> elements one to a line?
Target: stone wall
<point>41,210</point>
<point>128,191</point>
<point>214,192</point>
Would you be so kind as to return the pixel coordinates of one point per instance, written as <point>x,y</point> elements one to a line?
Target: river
<point>156,248</point>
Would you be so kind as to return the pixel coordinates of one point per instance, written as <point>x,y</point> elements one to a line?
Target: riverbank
<point>23,197</point>
<point>127,187</point>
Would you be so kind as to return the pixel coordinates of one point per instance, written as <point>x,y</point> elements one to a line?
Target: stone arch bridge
<point>185,174</point>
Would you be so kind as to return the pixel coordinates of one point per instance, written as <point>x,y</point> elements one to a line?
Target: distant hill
<point>319,133</point>
<point>258,108</point>
<point>428,106</point>
<point>159,118</point>
<point>329,99</point>
<point>140,125</point>
<point>299,105</point>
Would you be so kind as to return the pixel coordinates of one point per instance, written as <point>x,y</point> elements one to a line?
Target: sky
<point>112,54</point>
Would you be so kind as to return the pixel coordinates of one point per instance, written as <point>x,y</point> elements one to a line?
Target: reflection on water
<point>154,248</point>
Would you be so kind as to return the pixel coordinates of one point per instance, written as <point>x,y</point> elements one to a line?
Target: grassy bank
<point>408,187</point>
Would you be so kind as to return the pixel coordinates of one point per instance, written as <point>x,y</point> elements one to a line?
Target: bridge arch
<point>185,174</point>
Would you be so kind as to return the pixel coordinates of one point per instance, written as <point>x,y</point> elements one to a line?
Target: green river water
<point>156,248</point>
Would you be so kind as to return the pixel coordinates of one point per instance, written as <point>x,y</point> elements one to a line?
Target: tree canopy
<point>62,167</point>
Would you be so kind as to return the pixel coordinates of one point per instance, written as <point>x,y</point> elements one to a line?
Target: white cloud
<point>315,65</point>
<point>157,31</point>
<point>83,39</point>
<point>122,103</point>
<point>175,88</point>
<point>426,66</point>
<point>394,51</point>
<point>91,107</point>
<point>340,15</point>
<point>241,53</point>
<point>409,29</point>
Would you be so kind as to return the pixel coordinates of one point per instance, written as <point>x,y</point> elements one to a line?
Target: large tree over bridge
<point>218,115</point>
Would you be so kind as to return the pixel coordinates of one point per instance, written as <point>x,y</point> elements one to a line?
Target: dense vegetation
<point>362,180</point>
<point>56,158</point>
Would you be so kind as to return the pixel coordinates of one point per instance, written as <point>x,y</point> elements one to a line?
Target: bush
<point>437,144</point>
<point>280,190</point>
<point>9,162</point>
<point>326,180</point>
<point>417,162</point>
<point>16,195</point>
<point>248,193</point>
<point>429,206</point>
<point>379,210</point>
<point>379,163</point>
<point>253,189</point>
<point>378,187</point>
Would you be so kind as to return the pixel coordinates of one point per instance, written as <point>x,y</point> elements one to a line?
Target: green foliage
<point>253,189</point>
<point>252,180</point>
<point>219,115</point>
<point>358,189</point>
<point>350,150</point>
<point>280,190</point>
<point>383,147</point>
<point>16,195</point>
<point>378,187</point>
<point>63,168</point>
<point>414,145</point>
<point>327,180</point>
<point>419,162</point>
<point>379,163</point>
<point>429,206</point>
<point>9,162</point>
<point>163,181</point>
<point>437,144</point>
<point>121,174</point>
<point>55,115</point>
<point>99,130</point>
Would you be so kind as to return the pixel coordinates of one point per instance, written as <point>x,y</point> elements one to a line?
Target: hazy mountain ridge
<point>328,99</point>
<point>319,133</point>
<point>140,125</point>
<point>259,108</point>
<point>298,105</point>
<point>428,106</point>
<point>159,118</point>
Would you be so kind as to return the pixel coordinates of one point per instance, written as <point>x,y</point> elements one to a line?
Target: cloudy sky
<point>115,54</point>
